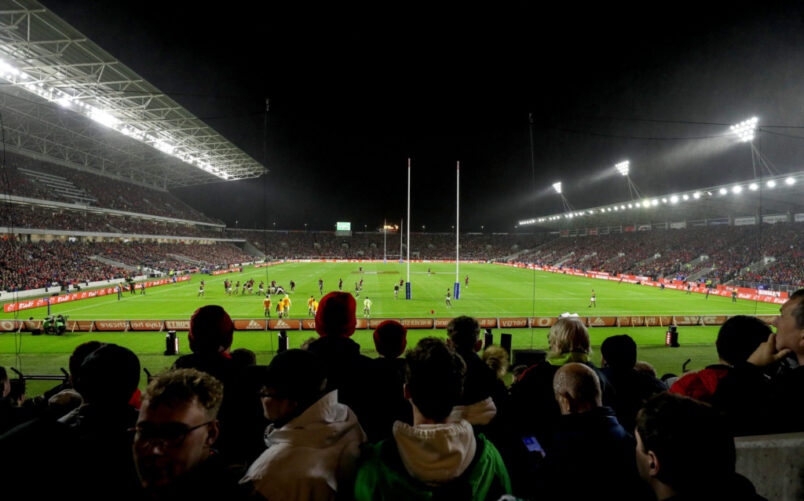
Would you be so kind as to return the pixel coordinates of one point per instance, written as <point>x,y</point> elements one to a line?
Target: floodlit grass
<point>494,291</point>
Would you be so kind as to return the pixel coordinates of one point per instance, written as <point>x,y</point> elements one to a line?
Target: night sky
<point>356,88</point>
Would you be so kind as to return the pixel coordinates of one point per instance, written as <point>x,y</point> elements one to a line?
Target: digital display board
<point>343,226</point>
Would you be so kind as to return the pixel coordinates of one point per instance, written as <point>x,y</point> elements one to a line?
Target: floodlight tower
<point>624,168</point>
<point>745,132</point>
<point>564,202</point>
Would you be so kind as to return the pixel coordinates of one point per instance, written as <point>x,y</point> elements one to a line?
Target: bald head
<point>577,389</point>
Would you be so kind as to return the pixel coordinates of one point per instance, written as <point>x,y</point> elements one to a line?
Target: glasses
<point>165,435</point>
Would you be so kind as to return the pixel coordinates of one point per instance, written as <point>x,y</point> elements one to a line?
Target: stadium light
<point>557,187</point>
<point>696,195</point>
<point>674,199</point>
<point>745,129</point>
<point>737,189</point>
<point>723,191</point>
<point>789,181</point>
<point>685,197</point>
<point>771,184</point>
<point>753,186</point>
<point>623,167</point>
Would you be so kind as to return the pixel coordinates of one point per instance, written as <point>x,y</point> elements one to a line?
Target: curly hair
<point>179,386</point>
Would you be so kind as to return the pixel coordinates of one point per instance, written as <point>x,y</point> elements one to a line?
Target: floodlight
<point>630,206</point>
<point>696,195</point>
<point>737,189</point>
<point>616,208</point>
<point>654,202</point>
<point>771,184</point>
<point>664,200</point>
<point>103,118</point>
<point>753,186</point>
<point>723,191</point>
<point>745,129</point>
<point>674,199</point>
<point>789,181</point>
<point>646,203</point>
<point>623,167</point>
<point>623,206</point>
<point>685,196</point>
<point>557,187</point>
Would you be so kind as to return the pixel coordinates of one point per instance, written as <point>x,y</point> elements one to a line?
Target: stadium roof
<point>772,195</point>
<point>67,101</point>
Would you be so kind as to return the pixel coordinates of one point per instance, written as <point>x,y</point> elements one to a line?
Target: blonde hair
<point>569,335</point>
<point>496,358</point>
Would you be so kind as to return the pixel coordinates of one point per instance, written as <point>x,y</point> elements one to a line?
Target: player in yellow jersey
<point>280,308</point>
<point>266,303</point>
<point>315,307</point>
<point>286,302</point>
<point>310,302</point>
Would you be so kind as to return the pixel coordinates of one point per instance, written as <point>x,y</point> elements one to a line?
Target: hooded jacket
<point>431,462</point>
<point>311,456</point>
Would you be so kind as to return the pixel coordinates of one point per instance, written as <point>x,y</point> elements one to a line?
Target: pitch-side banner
<point>230,270</point>
<point>362,323</point>
<point>77,296</point>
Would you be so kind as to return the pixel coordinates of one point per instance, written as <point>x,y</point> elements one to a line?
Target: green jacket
<point>382,476</point>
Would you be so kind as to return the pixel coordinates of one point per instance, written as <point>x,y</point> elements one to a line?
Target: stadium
<point>124,214</point>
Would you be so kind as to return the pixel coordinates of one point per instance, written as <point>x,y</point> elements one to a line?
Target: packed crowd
<point>731,252</point>
<point>36,217</point>
<point>34,266</point>
<point>108,192</point>
<point>434,422</point>
<point>37,265</point>
<point>326,245</point>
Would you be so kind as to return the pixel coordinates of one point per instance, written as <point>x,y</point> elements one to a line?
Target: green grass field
<point>494,291</point>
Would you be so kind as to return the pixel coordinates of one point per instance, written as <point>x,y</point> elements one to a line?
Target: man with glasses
<point>174,435</point>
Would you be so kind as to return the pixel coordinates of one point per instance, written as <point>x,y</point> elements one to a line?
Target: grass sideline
<point>493,291</point>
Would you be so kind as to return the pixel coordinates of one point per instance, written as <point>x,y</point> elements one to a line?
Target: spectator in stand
<point>496,358</point>
<point>632,388</point>
<point>684,451</point>
<point>534,407</point>
<point>175,432</point>
<point>436,458</point>
<point>346,367</point>
<point>483,393</point>
<point>588,440</point>
<point>91,444</point>
<point>210,338</point>
<point>757,404</point>
<point>387,381</point>
<point>737,339</point>
<point>313,441</point>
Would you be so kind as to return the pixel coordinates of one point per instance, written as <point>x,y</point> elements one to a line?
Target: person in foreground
<point>684,452</point>
<point>173,439</point>
<point>434,458</point>
<point>313,441</point>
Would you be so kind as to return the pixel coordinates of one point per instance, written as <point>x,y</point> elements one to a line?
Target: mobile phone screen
<point>533,445</point>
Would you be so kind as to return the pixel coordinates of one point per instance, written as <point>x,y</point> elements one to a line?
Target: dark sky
<point>358,87</point>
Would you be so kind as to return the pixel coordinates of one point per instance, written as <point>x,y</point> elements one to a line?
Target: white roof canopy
<point>67,101</point>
